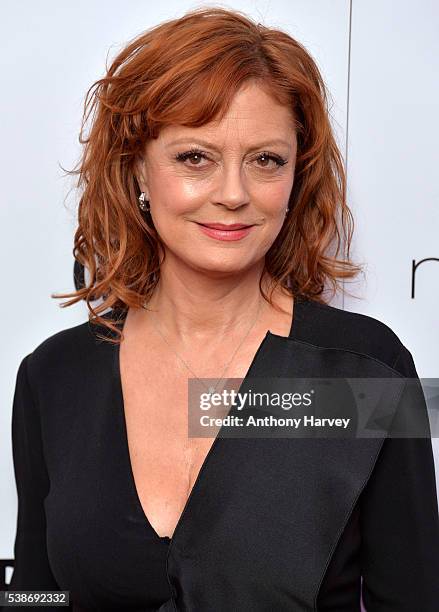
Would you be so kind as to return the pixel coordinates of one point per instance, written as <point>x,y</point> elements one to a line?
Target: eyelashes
<point>198,153</point>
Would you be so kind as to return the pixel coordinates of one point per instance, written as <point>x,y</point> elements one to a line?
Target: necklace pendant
<point>211,390</point>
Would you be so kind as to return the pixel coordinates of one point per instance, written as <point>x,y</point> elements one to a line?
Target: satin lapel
<point>283,499</point>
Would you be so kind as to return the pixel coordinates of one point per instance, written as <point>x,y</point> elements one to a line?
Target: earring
<point>287,210</point>
<point>143,202</point>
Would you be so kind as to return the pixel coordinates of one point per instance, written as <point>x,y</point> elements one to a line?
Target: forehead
<point>253,117</point>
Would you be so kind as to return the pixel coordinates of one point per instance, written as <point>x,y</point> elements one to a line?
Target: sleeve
<point>31,565</point>
<point>400,523</point>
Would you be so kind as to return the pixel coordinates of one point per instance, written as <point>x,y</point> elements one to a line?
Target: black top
<point>271,524</point>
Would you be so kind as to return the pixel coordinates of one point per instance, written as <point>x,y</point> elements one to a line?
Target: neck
<point>195,305</point>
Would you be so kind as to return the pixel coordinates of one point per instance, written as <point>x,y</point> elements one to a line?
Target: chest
<point>165,461</point>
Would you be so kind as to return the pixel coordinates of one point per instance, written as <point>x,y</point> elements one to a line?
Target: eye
<point>267,157</point>
<point>195,155</point>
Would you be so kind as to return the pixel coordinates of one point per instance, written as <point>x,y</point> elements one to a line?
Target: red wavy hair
<point>186,71</point>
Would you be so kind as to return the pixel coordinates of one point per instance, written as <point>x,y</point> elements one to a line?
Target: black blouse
<point>270,525</point>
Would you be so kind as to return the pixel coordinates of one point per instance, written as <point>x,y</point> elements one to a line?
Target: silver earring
<point>143,202</point>
<point>287,210</point>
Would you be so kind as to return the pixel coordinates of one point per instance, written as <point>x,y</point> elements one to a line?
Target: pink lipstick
<point>225,232</point>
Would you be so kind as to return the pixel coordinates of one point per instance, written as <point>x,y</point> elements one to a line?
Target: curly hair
<point>186,71</point>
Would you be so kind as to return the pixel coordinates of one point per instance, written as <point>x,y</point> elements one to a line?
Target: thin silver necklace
<point>211,389</point>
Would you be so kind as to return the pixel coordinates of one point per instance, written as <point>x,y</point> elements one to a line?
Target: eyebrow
<point>210,145</point>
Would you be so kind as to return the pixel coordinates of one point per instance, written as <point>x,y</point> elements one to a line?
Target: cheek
<point>174,194</point>
<point>274,198</point>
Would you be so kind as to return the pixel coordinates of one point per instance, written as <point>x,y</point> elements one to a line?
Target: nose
<point>231,189</point>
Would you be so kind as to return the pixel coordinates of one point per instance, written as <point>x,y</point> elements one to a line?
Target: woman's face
<point>237,171</point>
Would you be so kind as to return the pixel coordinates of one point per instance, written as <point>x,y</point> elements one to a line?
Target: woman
<point>212,191</point>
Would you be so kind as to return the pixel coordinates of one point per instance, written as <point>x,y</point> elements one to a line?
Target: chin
<point>220,268</point>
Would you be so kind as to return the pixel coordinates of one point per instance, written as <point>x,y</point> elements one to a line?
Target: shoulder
<point>68,350</point>
<point>334,328</point>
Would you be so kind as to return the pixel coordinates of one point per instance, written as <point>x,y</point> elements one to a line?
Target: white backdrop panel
<point>392,161</point>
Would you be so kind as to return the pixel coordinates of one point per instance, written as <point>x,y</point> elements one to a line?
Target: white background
<point>380,62</point>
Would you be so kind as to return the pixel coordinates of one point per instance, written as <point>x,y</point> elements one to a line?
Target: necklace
<point>211,389</point>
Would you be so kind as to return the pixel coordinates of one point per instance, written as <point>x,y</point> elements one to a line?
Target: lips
<point>225,227</point>
<point>232,232</point>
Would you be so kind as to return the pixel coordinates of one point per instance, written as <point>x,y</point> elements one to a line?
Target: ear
<point>140,174</point>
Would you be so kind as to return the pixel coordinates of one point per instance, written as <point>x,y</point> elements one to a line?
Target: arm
<point>400,524</point>
<point>31,566</point>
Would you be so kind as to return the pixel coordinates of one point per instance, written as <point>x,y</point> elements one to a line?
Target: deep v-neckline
<point>269,336</point>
